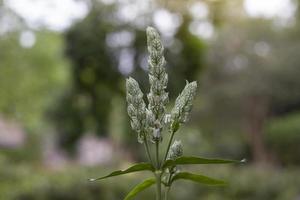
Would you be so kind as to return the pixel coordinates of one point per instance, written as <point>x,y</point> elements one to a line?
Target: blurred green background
<point>63,116</point>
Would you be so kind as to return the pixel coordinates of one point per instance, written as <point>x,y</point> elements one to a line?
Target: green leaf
<point>197,160</point>
<point>198,178</point>
<point>134,168</point>
<point>140,187</point>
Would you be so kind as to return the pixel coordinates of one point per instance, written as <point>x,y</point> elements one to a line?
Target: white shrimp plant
<point>150,121</point>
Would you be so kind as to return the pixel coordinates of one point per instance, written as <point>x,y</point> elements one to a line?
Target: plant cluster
<point>152,120</point>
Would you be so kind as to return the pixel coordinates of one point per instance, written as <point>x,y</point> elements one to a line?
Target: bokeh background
<point>63,65</point>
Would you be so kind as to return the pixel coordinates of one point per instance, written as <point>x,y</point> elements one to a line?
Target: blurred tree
<point>95,78</point>
<point>103,50</point>
<point>252,77</point>
<point>30,75</point>
<point>218,12</point>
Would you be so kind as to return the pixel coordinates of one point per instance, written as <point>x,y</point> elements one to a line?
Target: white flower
<point>136,108</point>
<point>183,104</point>
<point>158,78</point>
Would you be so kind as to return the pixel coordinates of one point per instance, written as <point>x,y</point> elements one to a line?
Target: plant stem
<point>157,154</point>
<point>168,187</point>
<point>158,173</point>
<point>147,150</point>
<point>158,185</point>
<point>167,192</point>
<point>169,145</point>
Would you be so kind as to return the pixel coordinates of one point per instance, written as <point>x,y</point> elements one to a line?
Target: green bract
<point>149,121</point>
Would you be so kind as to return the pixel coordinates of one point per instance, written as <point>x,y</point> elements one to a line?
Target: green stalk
<point>147,150</point>
<point>169,145</point>
<point>167,190</point>
<point>158,185</point>
<point>168,187</point>
<point>157,154</point>
<point>157,172</point>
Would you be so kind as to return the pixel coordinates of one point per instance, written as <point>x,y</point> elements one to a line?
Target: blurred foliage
<point>30,76</point>
<point>95,47</point>
<point>282,136</point>
<point>31,152</point>
<point>248,183</point>
<point>86,105</point>
<point>248,59</point>
<point>252,75</point>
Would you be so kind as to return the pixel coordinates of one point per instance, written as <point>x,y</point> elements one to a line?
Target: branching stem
<point>169,145</point>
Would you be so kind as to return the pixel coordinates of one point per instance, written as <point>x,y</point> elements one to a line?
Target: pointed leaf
<point>140,187</point>
<point>134,168</point>
<point>198,178</point>
<point>197,160</point>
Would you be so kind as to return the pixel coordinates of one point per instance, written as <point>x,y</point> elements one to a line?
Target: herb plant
<point>150,121</point>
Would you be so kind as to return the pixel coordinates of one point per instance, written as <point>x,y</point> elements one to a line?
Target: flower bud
<point>150,118</point>
<point>136,107</point>
<point>176,150</point>
<point>158,78</point>
<point>167,119</point>
<point>153,40</point>
<point>156,134</point>
<point>183,103</point>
